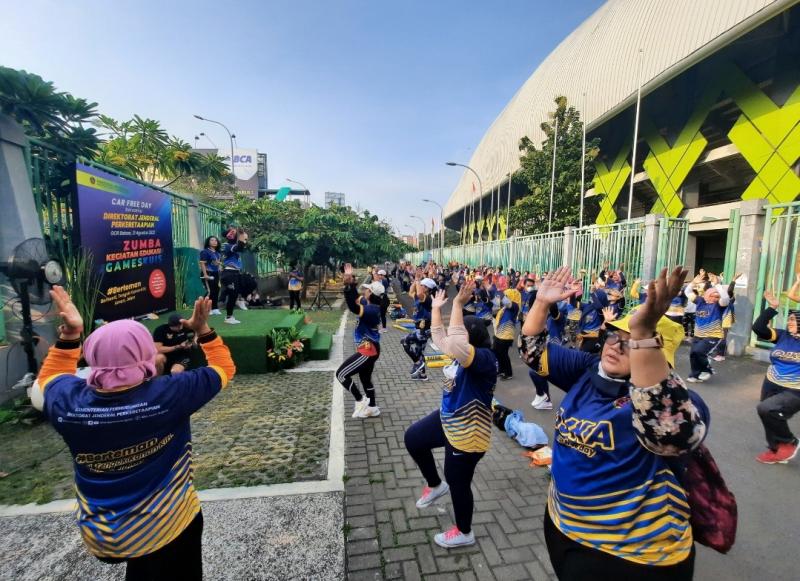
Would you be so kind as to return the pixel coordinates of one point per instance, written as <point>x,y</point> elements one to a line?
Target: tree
<point>52,116</point>
<point>530,214</point>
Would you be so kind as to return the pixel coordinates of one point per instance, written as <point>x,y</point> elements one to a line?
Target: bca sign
<point>245,162</point>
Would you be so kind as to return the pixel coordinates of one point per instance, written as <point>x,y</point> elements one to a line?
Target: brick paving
<point>388,537</point>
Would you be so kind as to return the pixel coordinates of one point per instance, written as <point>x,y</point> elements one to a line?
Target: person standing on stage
<point>295,286</point>
<point>209,269</point>
<point>232,270</point>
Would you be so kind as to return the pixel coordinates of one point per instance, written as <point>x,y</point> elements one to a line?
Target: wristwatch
<point>652,343</point>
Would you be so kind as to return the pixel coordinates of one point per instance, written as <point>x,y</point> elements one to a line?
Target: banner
<point>128,228</point>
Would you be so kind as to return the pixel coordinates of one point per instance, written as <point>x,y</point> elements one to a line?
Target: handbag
<point>714,510</point>
<point>367,348</point>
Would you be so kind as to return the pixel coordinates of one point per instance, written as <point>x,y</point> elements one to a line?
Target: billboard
<point>128,228</point>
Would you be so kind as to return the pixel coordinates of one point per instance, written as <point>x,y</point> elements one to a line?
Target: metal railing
<point>611,246</point>
<point>779,265</point>
<point>673,237</point>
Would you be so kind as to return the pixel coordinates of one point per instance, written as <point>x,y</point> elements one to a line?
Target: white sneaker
<point>542,402</point>
<point>242,305</point>
<point>454,538</point>
<point>369,411</point>
<point>429,495</point>
<point>705,375</point>
<point>215,312</point>
<point>691,379</point>
<point>232,321</point>
<point>359,406</point>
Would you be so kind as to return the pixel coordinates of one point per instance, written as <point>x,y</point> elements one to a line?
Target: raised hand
<point>771,300</point>
<point>463,296</point>
<point>348,269</point>
<point>660,293</point>
<point>556,286</point>
<point>198,322</point>
<point>439,299</point>
<point>609,314</point>
<point>70,317</point>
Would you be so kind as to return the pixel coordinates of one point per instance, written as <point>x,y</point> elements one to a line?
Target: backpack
<point>714,510</point>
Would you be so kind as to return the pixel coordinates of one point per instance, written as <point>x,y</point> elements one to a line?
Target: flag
<point>281,194</point>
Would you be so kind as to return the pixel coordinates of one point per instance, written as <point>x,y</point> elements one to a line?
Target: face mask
<point>506,302</point>
<point>529,288</point>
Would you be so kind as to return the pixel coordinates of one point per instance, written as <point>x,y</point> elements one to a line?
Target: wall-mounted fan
<point>31,271</point>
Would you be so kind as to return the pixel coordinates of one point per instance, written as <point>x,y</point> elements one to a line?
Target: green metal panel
<point>673,235</point>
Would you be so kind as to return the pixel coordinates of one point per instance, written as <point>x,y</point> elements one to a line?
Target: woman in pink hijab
<point>129,435</point>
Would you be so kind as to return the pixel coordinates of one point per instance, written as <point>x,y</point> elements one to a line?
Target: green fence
<point>609,246</point>
<point>779,265</point>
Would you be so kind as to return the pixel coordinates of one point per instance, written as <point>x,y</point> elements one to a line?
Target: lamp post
<point>230,136</point>
<point>441,228</point>
<point>423,232</point>
<point>480,186</point>
<point>308,193</point>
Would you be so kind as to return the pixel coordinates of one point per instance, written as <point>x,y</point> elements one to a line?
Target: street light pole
<point>423,233</point>
<point>480,185</point>
<point>413,231</point>
<point>230,136</point>
<point>441,228</point>
<point>308,193</point>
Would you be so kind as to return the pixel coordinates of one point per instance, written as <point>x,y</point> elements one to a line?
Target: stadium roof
<point>601,59</point>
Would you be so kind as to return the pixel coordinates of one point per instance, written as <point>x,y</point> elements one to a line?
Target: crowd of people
<point>627,424</point>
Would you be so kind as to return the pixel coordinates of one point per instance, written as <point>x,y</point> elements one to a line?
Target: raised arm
<point>553,288</point>
<point>454,341</point>
<point>761,326</point>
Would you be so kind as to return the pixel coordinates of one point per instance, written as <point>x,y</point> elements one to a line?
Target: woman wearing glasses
<point>615,509</point>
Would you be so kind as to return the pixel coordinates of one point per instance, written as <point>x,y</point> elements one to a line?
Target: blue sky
<point>369,98</point>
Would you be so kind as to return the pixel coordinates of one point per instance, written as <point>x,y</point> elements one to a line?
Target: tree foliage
<point>530,214</point>
<point>295,235</point>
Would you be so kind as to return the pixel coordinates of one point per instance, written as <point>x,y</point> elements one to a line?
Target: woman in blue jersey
<point>592,319</point>
<point>368,343</point>
<point>708,331</point>
<point>505,326</point>
<point>463,424</point>
<point>232,270</point>
<point>209,269</point>
<point>556,326</point>
<point>780,392</point>
<point>295,287</point>
<point>415,342</point>
<point>615,508</point>
<point>129,436</point>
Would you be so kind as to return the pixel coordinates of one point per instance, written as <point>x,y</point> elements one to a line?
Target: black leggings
<point>294,297</point>
<point>500,348</point>
<point>363,366</point>
<point>575,562</point>
<point>180,559</point>
<point>231,282</point>
<point>414,345</point>
<point>778,404</point>
<point>421,438</point>
<point>212,288</point>
<point>540,383</point>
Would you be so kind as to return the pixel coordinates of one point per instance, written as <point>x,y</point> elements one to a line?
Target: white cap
<point>382,272</point>
<point>375,288</point>
<point>428,282</point>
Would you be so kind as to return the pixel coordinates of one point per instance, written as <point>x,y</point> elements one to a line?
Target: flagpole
<point>508,209</point>
<point>553,177</point>
<point>583,160</point>
<point>635,133</point>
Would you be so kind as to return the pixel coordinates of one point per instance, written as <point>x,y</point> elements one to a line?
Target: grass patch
<point>328,321</point>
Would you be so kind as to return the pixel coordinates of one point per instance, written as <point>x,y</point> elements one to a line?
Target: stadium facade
<point>719,119</point>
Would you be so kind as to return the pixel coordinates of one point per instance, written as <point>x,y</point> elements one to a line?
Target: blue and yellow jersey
<point>466,410</point>
<point>505,322</point>
<point>784,369</point>
<point>422,310</point>
<point>592,315</point>
<point>132,453</point>
<point>369,321</point>
<point>708,320</point>
<point>230,255</point>
<point>677,306</point>
<point>728,316</point>
<point>608,492</point>
<point>526,301</point>
<point>557,324</point>
<point>295,284</point>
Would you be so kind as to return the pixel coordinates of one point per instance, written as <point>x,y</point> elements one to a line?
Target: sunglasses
<point>616,339</point>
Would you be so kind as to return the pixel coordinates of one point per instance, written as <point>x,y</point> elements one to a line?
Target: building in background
<point>719,121</point>
<point>249,168</point>
<point>410,240</point>
<point>334,199</point>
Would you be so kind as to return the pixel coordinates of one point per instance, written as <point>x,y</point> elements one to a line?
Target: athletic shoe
<point>232,321</point>
<point>454,538</point>
<point>504,376</point>
<point>542,402</point>
<point>692,379</point>
<point>782,455</point>
<point>420,377</point>
<point>719,358</point>
<point>369,411</point>
<point>382,331</point>
<point>704,376</point>
<point>215,312</point>
<point>429,495</point>
<point>359,406</point>
<point>242,305</point>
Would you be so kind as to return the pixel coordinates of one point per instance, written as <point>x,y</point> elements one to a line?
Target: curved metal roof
<point>601,59</point>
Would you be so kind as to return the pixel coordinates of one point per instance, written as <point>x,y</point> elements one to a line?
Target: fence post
<point>751,239</point>
<point>568,248</point>
<point>193,217</point>
<point>651,246</point>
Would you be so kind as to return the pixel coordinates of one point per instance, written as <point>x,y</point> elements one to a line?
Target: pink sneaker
<point>454,538</point>
<point>429,495</point>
